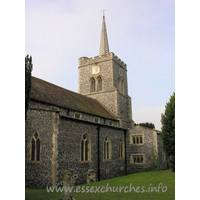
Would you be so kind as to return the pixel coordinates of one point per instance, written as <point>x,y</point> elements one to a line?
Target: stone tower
<point>104,78</point>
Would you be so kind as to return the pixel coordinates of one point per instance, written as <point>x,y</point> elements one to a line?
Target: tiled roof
<point>49,93</point>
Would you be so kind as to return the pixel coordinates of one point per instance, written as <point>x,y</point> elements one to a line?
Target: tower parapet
<point>85,61</point>
<point>119,61</point>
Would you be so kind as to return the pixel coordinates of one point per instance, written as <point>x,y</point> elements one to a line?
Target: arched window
<point>85,147</point>
<point>92,85</point>
<point>35,147</point>
<point>107,148</point>
<point>122,86</point>
<point>121,148</point>
<point>99,84</point>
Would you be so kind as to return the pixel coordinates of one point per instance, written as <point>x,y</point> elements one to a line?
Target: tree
<point>28,69</point>
<point>168,131</point>
<point>147,124</point>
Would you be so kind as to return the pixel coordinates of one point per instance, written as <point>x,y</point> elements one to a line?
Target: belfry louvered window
<point>121,86</point>
<point>99,84</point>
<point>92,85</point>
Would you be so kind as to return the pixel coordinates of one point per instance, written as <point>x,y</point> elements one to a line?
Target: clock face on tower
<point>95,70</point>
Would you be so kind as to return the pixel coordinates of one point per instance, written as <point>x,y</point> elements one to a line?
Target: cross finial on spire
<point>103,12</point>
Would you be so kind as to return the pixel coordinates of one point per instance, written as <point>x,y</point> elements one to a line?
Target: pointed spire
<point>104,49</point>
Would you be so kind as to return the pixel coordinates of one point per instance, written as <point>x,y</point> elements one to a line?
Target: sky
<point>140,33</point>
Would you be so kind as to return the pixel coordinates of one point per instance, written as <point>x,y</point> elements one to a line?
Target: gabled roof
<point>49,93</point>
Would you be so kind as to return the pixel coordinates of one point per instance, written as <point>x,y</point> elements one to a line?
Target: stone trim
<point>91,122</point>
<point>107,155</point>
<point>77,115</point>
<point>30,149</point>
<point>92,83</point>
<point>88,148</point>
<point>99,85</point>
<point>55,123</point>
<point>96,120</point>
<point>100,92</point>
<point>137,135</point>
<point>75,176</point>
<point>44,109</point>
<point>120,86</point>
<point>137,155</point>
<point>123,148</point>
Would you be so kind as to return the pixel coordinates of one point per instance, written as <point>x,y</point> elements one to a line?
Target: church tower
<point>104,78</point>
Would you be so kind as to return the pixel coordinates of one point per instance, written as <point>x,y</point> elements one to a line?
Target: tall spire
<point>104,49</point>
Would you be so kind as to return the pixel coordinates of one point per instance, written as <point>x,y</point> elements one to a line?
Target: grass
<point>147,180</point>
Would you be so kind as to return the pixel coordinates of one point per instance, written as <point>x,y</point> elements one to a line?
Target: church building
<point>90,133</point>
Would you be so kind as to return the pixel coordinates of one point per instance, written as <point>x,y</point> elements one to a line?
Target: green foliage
<point>172,162</point>
<point>154,160</point>
<point>147,124</point>
<point>168,130</point>
<point>28,69</point>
